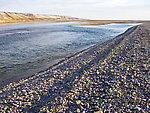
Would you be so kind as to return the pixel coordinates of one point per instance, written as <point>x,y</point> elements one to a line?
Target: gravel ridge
<point>113,76</point>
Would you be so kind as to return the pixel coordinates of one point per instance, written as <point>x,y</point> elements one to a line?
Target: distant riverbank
<point>104,22</point>
<point>13,17</point>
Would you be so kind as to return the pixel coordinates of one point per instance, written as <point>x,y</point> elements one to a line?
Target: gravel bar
<point>113,76</point>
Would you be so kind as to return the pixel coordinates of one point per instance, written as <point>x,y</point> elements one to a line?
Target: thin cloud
<point>80,8</point>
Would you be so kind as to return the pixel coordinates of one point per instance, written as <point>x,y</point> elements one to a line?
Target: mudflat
<point>111,76</point>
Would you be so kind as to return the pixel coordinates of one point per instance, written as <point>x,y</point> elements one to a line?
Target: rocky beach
<point>113,76</point>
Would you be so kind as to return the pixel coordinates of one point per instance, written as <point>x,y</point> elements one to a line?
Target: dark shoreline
<point>91,77</point>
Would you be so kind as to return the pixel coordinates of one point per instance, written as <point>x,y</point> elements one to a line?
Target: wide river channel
<point>31,47</point>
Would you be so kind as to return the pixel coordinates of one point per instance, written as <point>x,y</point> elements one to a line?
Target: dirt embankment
<point>12,17</point>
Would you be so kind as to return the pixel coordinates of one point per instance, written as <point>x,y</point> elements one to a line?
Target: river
<point>31,47</point>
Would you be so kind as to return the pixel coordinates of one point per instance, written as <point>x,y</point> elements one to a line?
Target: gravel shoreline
<point>111,76</point>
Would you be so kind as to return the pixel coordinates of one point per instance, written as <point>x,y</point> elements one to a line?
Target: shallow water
<point>29,48</point>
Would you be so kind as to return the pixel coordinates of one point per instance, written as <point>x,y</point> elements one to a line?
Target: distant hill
<point>12,17</point>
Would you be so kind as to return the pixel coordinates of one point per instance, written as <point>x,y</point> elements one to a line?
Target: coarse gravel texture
<point>113,76</point>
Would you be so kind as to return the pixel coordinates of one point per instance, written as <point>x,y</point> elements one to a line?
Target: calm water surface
<point>29,48</point>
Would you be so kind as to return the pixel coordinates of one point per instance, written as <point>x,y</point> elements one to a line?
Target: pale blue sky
<point>90,9</point>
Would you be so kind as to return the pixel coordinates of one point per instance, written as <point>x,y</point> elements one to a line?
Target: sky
<point>86,9</point>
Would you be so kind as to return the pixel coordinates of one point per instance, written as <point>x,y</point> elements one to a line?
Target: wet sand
<point>111,76</point>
